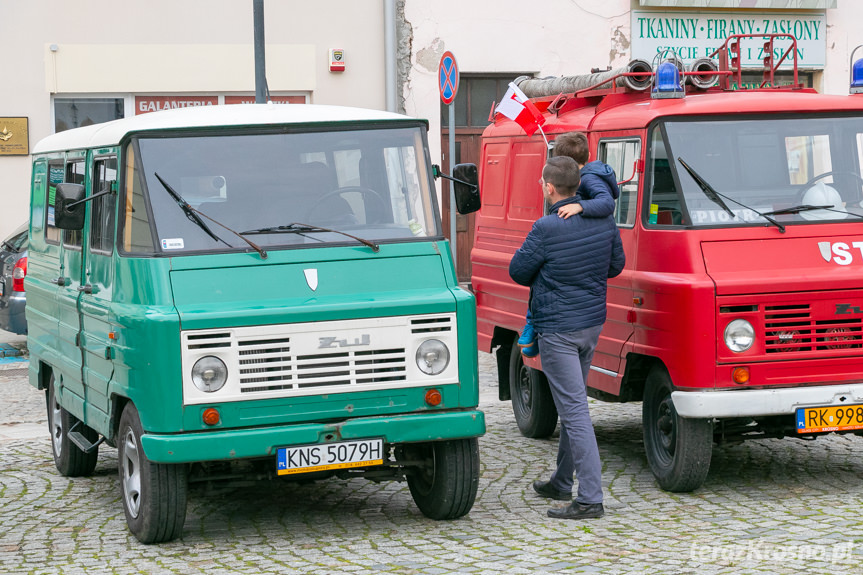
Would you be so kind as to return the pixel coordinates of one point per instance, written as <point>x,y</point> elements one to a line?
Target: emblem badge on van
<point>826,252</point>
<point>311,278</point>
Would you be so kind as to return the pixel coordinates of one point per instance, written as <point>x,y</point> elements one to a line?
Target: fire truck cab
<point>739,314</point>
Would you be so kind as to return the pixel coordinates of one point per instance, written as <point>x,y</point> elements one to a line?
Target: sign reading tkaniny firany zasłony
<point>692,35</point>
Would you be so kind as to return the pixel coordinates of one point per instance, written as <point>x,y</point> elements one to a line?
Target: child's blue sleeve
<point>598,201</point>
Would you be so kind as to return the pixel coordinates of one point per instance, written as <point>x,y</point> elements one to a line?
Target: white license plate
<point>320,457</point>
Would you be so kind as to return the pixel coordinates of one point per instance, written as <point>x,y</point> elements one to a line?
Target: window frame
<point>602,155</point>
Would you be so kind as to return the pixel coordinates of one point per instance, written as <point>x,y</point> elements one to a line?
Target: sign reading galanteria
<point>692,35</point>
<point>14,137</point>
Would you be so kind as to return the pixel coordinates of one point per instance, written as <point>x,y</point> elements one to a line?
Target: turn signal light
<point>740,375</point>
<point>211,416</point>
<point>433,397</point>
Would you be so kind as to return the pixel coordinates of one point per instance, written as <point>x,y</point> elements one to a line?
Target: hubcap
<point>56,426</point>
<point>665,426</point>
<point>524,391</point>
<point>131,473</point>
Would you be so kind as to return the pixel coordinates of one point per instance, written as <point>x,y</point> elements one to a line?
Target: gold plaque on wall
<point>14,137</point>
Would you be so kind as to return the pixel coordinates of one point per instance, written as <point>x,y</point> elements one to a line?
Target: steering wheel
<point>807,185</point>
<point>374,205</point>
<point>834,172</point>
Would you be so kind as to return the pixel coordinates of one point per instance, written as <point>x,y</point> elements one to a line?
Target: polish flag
<point>518,108</point>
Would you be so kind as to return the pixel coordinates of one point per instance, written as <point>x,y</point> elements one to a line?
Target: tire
<point>532,403</point>
<point>678,449</point>
<point>71,461</point>
<point>445,488</point>
<point>153,494</point>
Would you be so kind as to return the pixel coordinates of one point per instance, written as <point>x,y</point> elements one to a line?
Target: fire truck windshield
<point>792,170</point>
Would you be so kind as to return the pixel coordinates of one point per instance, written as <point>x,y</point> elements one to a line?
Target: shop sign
<point>273,99</point>
<point>145,104</point>
<point>692,35</point>
<point>14,137</point>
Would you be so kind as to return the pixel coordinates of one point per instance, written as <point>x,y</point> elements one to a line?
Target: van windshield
<point>371,183</point>
<point>793,170</point>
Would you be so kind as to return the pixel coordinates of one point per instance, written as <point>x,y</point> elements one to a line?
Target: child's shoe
<point>528,335</point>
<point>531,350</point>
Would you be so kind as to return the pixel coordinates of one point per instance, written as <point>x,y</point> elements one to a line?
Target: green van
<point>246,289</point>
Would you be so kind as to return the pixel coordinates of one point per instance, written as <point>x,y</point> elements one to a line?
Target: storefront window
<point>76,112</point>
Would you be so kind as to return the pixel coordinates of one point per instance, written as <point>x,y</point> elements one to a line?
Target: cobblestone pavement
<point>771,506</point>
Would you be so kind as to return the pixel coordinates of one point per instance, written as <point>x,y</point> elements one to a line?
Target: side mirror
<point>66,215</point>
<point>466,182</point>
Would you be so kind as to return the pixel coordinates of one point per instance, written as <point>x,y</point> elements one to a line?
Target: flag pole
<point>547,145</point>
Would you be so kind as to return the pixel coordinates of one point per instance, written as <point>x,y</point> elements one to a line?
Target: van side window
<point>75,174</point>
<point>622,156</point>
<point>102,208</point>
<point>56,175</point>
<point>136,231</point>
<point>666,207</point>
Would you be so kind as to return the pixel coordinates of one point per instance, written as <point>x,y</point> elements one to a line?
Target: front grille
<point>794,328</point>
<point>312,358</point>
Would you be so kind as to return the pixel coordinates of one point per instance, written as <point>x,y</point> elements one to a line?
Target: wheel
<point>532,403</point>
<point>374,206</point>
<point>71,460</point>
<point>153,494</point>
<point>678,449</point>
<point>445,486</point>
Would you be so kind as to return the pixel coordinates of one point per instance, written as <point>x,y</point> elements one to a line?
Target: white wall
<point>549,38</point>
<point>161,46</point>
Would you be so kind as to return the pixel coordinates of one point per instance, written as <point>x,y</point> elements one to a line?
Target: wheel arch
<point>43,377</point>
<point>638,366</point>
<point>502,338</point>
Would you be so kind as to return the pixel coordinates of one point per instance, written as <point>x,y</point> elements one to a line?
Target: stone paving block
<point>768,494</point>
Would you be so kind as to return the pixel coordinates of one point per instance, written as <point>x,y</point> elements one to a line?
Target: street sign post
<point>448,85</point>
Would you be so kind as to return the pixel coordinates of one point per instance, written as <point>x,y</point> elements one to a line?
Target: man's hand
<point>569,210</point>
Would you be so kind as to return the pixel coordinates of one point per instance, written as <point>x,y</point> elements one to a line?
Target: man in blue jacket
<point>567,263</point>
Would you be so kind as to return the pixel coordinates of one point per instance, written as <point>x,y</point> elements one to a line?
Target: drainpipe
<point>260,63</point>
<point>390,48</point>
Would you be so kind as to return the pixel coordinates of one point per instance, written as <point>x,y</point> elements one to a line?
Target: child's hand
<point>569,210</point>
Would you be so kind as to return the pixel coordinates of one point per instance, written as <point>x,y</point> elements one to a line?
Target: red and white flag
<point>518,108</point>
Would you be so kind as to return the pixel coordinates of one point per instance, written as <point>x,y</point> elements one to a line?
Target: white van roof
<point>111,133</point>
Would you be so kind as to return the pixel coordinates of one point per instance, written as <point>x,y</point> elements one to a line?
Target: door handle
<point>86,288</point>
<point>61,281</point>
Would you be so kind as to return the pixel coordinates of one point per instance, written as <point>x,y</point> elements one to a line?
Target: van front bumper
<point>234,444</point>
<point>759,402</point>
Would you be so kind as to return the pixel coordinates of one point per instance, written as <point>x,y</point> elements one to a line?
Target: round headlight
<point>209,374</point>
<point>432,357</point>
<point>739,335</point>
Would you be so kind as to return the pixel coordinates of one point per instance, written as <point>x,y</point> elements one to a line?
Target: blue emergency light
<point>856,73</point>
<point>667,81</point>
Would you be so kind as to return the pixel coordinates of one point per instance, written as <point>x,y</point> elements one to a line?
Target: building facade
<point>69,64</point>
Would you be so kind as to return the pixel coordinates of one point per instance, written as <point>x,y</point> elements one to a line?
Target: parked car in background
<point>13,263</point>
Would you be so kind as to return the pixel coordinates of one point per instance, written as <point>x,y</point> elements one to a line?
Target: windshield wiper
<point>806,208</point>
<point>298,228</point>
<point>797,209</point>
<point>195,217</point>
<point>716,197</point>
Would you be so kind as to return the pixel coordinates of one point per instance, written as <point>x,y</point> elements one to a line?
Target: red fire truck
<point>740,312</point>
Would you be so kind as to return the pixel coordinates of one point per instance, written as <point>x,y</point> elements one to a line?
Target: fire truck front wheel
<point>678,449</point>
<point>153,494</point>
<point>532,403</point>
